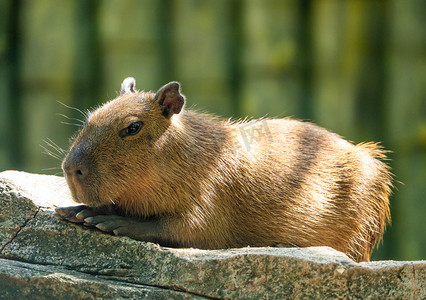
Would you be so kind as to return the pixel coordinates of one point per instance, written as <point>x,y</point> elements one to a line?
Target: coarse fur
<point>218,184</point>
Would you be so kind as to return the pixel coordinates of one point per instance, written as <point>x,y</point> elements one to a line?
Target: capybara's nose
<point>74,165</point>
<point>78,172</point>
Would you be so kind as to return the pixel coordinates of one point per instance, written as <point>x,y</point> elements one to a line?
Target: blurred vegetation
<point>355,67</point>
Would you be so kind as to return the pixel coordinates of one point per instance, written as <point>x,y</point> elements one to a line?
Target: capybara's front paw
<point>77,214</point>
<point>133,227</point>
<point>70,213</point>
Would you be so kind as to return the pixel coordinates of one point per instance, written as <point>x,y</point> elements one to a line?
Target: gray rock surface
<point>43,257</point>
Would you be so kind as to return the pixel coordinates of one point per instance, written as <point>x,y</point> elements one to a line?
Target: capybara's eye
<point>133,129</point>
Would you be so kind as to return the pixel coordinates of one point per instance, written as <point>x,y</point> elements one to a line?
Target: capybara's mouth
<point>81,194</point>
<point>88,200</point>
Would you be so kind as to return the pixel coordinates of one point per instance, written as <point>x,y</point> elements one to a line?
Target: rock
<point>43,257</point>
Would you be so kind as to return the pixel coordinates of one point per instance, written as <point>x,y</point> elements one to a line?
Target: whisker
<point>55,146</point>
<point>49,169</point>
<point>52,149</point>
<point>50,153</point>
<point>88,113</point>
<point>66,123</point>
<point>72,119</point>
<point>74,108</point>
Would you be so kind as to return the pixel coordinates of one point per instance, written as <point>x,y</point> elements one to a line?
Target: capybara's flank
<point>146,167</point>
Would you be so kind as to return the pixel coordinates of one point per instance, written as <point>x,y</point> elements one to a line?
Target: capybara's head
<point>111,157</point>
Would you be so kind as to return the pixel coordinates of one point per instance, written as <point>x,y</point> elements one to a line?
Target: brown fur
<point>219,184</point>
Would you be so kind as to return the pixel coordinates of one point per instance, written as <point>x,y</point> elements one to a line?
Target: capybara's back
<point>298,184</point>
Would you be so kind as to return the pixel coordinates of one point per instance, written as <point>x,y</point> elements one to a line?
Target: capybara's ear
<point>128,86</point>
<point>170,99</point>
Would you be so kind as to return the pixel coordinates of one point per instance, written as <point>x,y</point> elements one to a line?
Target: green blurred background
<point>355,67</point>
